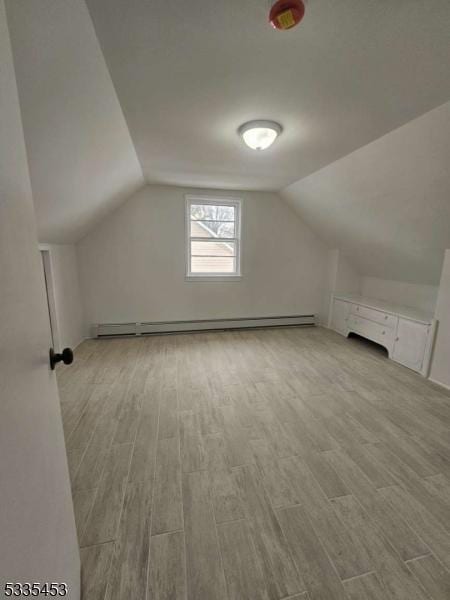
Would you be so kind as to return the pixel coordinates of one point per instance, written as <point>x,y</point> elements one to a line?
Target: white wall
<point>400,292</point>
<point>81,157</point>
<point>348,279</point>
<point>440,366</point>
<point>68,302</point>
<point>341,278</point>
<point>330,283</point>
<point>386,205</point>
<point>132,265</point>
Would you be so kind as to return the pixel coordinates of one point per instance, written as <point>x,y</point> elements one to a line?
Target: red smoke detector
<point>286,14</point>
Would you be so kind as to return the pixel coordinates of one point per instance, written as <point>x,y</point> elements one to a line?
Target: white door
<point>37,530</point>
<point>341,311</point>
<point>410,343</point>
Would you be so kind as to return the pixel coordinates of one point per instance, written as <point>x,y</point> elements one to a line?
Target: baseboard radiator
<point>101,330</point>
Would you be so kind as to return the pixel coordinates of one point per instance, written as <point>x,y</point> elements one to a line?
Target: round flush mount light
<point>259,135</point>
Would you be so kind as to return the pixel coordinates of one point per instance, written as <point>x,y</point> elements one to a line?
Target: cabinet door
<point>410,343</point>
<point>341,310</point>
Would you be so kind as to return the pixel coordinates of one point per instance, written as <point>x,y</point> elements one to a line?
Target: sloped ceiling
<point>387,205</point>
<point>81,157</point>
<point>189,72</point>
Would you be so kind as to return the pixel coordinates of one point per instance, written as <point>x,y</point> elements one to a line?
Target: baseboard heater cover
<point>147,328</point>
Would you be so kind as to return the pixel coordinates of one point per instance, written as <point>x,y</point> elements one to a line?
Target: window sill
<point>217,278</point>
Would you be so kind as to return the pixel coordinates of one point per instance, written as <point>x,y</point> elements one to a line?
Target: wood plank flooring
<point>283,464</point>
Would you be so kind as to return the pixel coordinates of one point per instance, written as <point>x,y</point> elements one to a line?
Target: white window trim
<point>227,201</point>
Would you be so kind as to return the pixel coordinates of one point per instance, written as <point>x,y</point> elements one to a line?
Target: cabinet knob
<point>397,339</point>
<point>383,333</point>
<point>385,317</point>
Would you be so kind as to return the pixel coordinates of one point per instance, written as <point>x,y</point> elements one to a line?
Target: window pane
<point>212,229</point>
<point>212,212</point>
<point>214,264</point>
<point>213,248</point>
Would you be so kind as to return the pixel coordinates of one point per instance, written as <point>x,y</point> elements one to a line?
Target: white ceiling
<point>188,73</point>
<point>81,158</point>
<point>387,205</point>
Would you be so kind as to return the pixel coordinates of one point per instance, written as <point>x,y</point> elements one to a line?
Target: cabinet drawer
<point>378,316</point>
<point>373,331</point>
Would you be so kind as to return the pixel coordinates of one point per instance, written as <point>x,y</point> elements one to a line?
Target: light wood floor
<point>259,465</point>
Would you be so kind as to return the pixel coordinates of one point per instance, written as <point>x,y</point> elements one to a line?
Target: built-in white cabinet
<point>411,343</point>
<point>373,331</point>
<point>405,332</point>
<point>341,311</point>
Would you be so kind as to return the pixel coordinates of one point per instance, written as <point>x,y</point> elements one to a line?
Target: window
<point>213,231</point>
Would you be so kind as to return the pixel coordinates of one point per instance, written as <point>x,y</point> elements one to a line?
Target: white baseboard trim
<point>440,384</point>
<point>148,328</point>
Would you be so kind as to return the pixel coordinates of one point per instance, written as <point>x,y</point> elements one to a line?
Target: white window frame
<point>236,203</point>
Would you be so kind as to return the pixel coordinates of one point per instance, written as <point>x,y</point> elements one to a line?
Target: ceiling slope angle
<point>81,157</point>
<point>188,74</point>
<point>386,206</point>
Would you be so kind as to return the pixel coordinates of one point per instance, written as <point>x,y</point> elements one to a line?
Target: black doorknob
<point>66,356</point>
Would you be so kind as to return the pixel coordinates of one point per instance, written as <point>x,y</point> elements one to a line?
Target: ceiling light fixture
<point>259,135</point>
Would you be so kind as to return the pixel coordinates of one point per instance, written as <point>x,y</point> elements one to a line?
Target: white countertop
<point>407,312</point>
